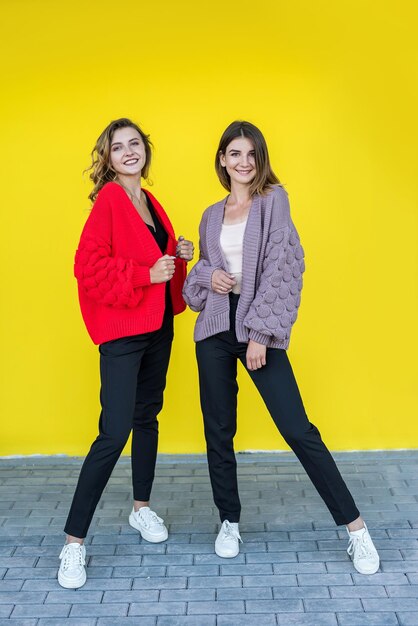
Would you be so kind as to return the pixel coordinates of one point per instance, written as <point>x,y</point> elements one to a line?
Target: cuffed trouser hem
<point>231,517</point>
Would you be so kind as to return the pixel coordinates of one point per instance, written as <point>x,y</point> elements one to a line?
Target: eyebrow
<point>119,143</point>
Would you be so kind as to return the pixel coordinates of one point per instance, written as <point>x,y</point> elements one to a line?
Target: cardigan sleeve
<point>110,280</point>
<point>275,307</point>
<point>199,280</point>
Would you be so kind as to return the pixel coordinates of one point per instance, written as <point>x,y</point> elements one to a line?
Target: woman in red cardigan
<point>130,271</point>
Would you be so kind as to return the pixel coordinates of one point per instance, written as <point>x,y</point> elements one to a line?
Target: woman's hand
<point>185,249</point>
<point>163,269</point>
<point>222,282</point>
<point>256,355</point>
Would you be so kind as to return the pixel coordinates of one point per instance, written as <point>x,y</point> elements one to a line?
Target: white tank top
<point>232,237</point>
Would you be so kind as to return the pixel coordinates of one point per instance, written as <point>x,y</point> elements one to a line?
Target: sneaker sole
<point>68,583</point>
<point>367,572</point>
<point>146,535</point>
<point>226,556</point>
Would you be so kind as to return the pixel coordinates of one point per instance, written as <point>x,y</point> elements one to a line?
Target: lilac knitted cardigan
<point>271,274</point>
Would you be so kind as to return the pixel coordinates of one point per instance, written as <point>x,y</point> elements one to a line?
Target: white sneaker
<point>362,551</point>
<point>72,573</point>
<point>150,526</point>
<point>227,541</point>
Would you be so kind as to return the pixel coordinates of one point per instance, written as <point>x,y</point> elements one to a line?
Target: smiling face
<point>239,161</point>
<point>127,152</point>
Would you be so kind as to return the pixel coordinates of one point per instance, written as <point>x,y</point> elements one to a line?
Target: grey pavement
<point>292,570</point>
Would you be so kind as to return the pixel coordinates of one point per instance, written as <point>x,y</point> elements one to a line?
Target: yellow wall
<point>333,85</point>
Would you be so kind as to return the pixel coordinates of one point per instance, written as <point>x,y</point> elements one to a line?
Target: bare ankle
<point>356,524</point>
<point>138,504</point>
<point>71,539</point>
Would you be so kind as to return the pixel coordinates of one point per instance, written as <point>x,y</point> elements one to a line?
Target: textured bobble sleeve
<point>275,306</point>
<point>199,280</point>
<point>197,285</point>
<point>110,280</point>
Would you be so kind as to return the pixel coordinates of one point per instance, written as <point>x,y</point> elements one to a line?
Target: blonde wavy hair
<point>101,167</point>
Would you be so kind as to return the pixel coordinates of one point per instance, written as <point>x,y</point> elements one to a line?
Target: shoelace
<point>360,545</point>
<point>230,532</point>
<point>149,517</point>
<point>72,557</point>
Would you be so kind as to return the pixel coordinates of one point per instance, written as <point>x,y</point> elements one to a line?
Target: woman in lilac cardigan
<point>246,287</point>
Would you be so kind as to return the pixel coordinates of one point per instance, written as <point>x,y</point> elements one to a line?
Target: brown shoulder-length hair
<point>101,168</point>
<point>265,177</point>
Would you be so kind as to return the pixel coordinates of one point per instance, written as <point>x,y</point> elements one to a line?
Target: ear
<point>222,159</point>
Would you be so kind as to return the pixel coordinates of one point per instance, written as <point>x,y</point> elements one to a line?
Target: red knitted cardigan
<point>112,264</point>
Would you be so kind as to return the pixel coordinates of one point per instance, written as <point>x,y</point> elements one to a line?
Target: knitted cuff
<point>204,276</point>
<point>259,337</point>
<point>140,276</point>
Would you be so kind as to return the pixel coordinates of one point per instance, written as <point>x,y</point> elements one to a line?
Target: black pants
<point>133,375</point>
<point>217,359</point>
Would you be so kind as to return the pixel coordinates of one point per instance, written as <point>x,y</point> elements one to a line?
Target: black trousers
<point>217,359</point>
<point>133,375</point>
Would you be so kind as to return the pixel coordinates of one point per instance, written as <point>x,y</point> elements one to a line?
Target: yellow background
<point>333,86</point>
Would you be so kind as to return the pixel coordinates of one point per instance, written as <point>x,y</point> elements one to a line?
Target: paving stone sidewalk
<point>292,570</point>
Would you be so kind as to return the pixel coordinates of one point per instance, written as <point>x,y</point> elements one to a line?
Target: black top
<point>159,233</point>
<point>161,237</point>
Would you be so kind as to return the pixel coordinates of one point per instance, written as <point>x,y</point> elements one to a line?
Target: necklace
<point>131,195</point>
<point>141,210</point>
<point>232,214</point>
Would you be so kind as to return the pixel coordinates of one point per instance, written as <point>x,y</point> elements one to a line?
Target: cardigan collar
<point>150,246</point>
<point>251,250</point>
<point>161,214</point>
<point>251,237</point>
<point>255,240</point>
